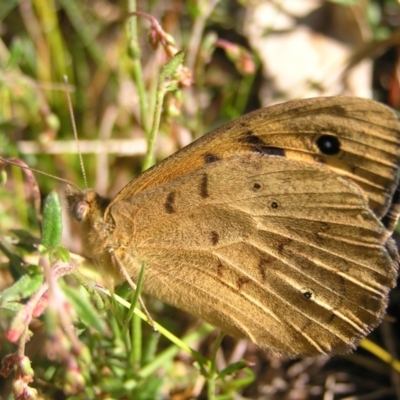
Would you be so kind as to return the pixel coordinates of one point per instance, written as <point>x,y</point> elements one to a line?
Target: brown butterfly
<point>274,227</point>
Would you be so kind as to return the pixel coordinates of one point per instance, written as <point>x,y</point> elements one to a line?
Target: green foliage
<point>52,222</point>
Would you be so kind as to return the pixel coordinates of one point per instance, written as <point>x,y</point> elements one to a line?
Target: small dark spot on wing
<point>331,318</point>
<point>214,238</point>
<point>307,295</point>
<point>169,204</point>
<point>250,138</point>
<point>204,186</point>
<point>282,244</point>
<point>259,146</point>
<point>270,151</point>
<point>319,160</point>
<point>240,282</point>
<point>220,269</point>
<point>263,265</point>
<point>210,158</point>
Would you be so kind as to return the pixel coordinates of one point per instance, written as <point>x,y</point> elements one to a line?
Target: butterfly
<point>276,226</point>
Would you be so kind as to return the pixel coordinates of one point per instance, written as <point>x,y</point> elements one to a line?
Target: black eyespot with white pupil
<point>329,145</point>
<point>307,295</point>
<point>274,204</point>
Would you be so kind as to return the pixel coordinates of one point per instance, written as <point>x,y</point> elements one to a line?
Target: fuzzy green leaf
<point>52,222</point>
<point>22,288</point>
<point>171,66</point>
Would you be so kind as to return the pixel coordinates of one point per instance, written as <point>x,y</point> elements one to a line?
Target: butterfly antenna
<point>21,164</point>
<point>71,113</point>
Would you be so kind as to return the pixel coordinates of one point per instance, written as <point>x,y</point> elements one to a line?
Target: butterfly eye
<point>80,210</point>
<point>328,145</point>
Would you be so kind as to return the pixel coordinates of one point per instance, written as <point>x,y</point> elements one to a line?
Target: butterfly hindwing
<point>283,252</point>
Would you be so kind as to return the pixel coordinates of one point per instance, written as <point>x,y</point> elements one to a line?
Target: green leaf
<point>171,66</point>
<point>233,368</point>
<point>10,309</point>
<point>63,254</point>
<point>16,262</point>
<point>347,3</point>
<point>243,381</point>
<point>3,177</point>
<point>52,222</point>
<point>136,295</point>
<point>7,7</point>
<point>22,288</point>
<point>84,308</point>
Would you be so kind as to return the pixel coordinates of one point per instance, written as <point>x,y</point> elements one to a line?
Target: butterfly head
<point>86,205</point>
<point>88,208</point>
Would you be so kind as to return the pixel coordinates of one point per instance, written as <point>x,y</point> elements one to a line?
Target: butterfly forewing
<point>283,252</point>
<point>357,138</point>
